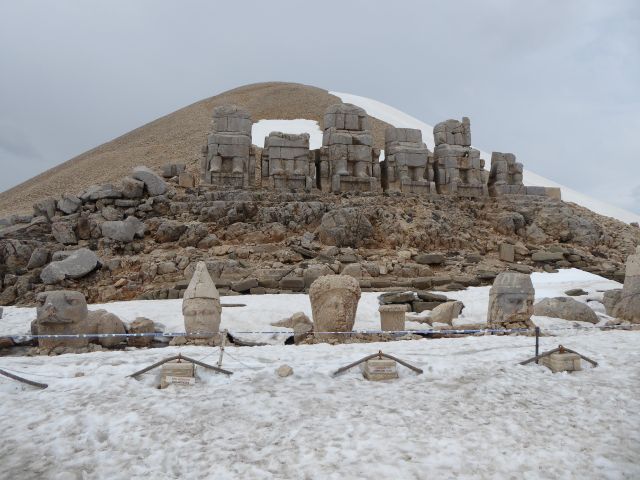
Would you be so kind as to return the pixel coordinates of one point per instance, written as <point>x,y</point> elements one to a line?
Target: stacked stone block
<point>348,161</point>
<point>406,166</point>
<point>458,167</point>
<point>287,162</point>
<point>229,157</point>
<point>505,178</point>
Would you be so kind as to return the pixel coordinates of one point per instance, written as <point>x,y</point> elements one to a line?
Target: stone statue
<point>228,157</point>
<point>628,307</point>
<point>405,167</point>
<point>511,301</point>
<point>201,304</point>
<point>458,167</point>
<point>348,161</point>
<point>287,162</point>
<point>334,300</point>
<point>505,175</point>
<point>61,312</point>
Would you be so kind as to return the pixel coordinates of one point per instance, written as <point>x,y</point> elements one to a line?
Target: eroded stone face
<point>334,300</point>
<point>62,312</point>
<point>201,303</point>
<point>511,301</point>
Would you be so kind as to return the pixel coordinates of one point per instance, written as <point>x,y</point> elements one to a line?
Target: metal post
<point>537,341</point>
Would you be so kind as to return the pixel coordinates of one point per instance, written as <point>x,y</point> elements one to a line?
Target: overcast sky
<point>555,81</point>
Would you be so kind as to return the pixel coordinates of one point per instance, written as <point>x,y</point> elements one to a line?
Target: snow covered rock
<point>565,308</point>
<point>446,312</point>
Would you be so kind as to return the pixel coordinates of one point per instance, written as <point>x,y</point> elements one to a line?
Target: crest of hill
<point>175,138</point>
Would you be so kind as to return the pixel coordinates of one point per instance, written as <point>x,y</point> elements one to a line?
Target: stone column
<point>392,317</point>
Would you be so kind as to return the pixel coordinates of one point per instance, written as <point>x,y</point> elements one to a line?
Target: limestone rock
<point>315,271</point>
<point>201,303</point>
<point>628,308</point>
<point>610,299</point>
<point>511,301</point>
<point>507,252</point>
<point>103,322</point>
<point>334,300</point>
<point>154,183</point>
<point>63,233</point>
<point>45,208</point>
<point>565,308</point>
<point>123,230</point>
<point>446,312</point>
<point>576,292</point>
<point>300,324</point>
<point>170,231</point>
<point>345,227</point>
<point>429,259</point>
<point>61,312</point>
<point>98,192</point>
<point>39,257</point>
<point>69,204</point>
<point>396,297</point>
<point>132,188</point>
<point>76,265</point>
<point>141,325</point>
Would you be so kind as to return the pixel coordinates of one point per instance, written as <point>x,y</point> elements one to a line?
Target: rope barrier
<point>452,331</point>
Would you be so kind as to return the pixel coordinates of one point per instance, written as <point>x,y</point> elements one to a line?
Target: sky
<point>557,82</point>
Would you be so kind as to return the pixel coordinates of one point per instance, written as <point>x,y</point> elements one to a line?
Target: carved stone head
<point>511,299</point>
<point>334,300</point>
<point>61,306</point>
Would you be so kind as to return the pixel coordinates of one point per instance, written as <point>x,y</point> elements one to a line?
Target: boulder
<point>39,257</point>
<point>154,183</point>
<point>170,231</point>
<point>315,271</point>
<point>610,299</point>
<point>99,192</point>
<point>63,233</point>
<point>299,322</point>
<point>575,292</point>
<point>429,258</point>
<point>45,208</point>
<point>507,252</point>
<point>132,188</point>
<point>77,264</point>
<point>69,204</point>
<point>566,308</point>
<point>123,230</point>
<point>141,325</point>
<point>344,227</point>
<point>396,297</point>
<point>446,312</point>
<point>547,256</point>
<point>103,322</point>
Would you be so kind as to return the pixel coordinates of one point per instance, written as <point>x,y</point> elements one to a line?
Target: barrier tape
<point>289,332</point>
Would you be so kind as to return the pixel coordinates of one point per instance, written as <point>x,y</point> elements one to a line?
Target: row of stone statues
<point>348,161</point>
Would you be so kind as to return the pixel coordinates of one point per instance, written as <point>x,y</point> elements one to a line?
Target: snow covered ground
<point>473,414</point>
<point>262,310</point>
<point>400,119</point>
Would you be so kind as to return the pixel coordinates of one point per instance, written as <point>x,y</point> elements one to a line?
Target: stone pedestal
<point>392,317</point>
<point>177,373</point>
<point>562,362</point>
<point>378,369</point>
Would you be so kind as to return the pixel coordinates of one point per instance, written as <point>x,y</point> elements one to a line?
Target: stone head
<point>61,306</point>
<point>334,300</point>
<point>511,298</point>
